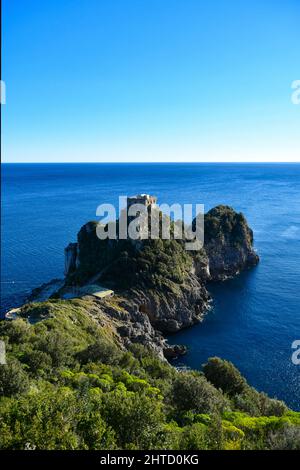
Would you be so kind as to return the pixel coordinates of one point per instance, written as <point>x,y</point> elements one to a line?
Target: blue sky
<point>150,80</point>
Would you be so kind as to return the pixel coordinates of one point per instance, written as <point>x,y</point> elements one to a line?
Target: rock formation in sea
<point>228,243</point>
<point>160,287</point>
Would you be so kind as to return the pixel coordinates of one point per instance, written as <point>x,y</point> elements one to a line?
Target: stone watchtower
<point>143,199</point>
<point>147,202</point>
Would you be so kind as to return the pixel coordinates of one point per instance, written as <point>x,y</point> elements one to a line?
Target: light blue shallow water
<point>256,316</point>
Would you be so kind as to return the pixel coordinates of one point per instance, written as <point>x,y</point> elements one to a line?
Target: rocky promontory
<point>159,287</point>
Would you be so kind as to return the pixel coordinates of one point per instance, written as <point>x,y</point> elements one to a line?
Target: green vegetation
<point>222,223</point>
<point>158,264</point>
<point>69,384</point>
<point>163,265</point>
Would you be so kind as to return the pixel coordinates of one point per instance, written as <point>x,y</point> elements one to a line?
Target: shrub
<point>271,407</point>
<point>58,346</point>
<point>248,401</point>
<point>13,378</point>
<point>195,393</point>
<point>136,419</point>
<point>17,331</point>
<point>194,437</point>
<point>287,438</point>
<point>39,362</point>
<point>223,375</point>
<point>102,351</point>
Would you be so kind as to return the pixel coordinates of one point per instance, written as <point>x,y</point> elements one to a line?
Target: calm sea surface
<point>256,316</point>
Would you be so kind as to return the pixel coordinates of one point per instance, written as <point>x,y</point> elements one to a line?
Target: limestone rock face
<point>71,261</point>
<point>131,325</point>
<point>169,312</point>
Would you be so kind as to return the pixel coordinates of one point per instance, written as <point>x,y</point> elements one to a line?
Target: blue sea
<point>255,317</point>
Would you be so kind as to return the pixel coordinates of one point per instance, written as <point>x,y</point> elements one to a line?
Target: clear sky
<point>150,80</point>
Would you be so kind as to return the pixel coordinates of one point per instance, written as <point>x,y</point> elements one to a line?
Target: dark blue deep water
<point>256,316</point>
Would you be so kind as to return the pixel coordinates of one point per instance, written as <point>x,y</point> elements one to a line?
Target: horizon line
<point>150,163</point>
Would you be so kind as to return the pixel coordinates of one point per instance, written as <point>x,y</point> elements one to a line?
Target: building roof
<point>137,196</point>
<point>97,291</point>
<point>142,196</point>
<point>89,289</point>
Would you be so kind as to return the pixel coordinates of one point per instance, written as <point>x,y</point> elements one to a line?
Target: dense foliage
<point>161,264</point>
<point>224,224</point>
<point>123,264</point>
<point>68,384</point>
